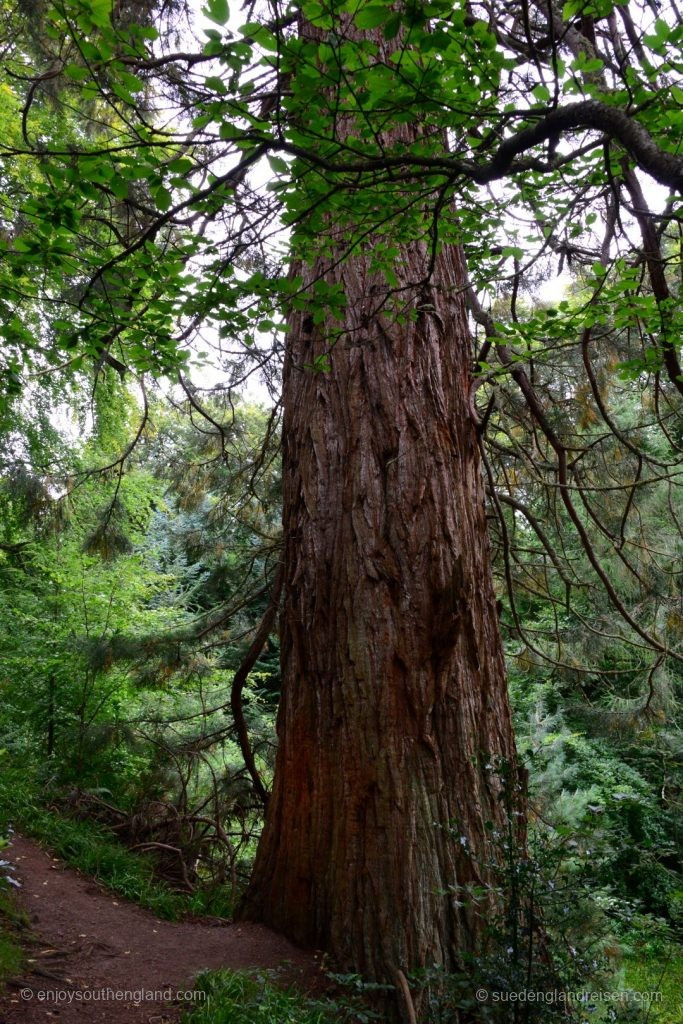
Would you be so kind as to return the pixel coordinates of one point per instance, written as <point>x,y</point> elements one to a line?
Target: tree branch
<point>240,679</point>
<point>664,167</point>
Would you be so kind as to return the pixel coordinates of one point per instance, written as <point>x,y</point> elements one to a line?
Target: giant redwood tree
<point>424,162</point>
<point>394,692</point>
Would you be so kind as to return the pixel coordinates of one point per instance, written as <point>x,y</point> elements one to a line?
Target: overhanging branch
<point>664,167</point>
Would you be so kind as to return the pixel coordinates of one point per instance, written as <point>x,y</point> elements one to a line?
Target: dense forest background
<point>141,498</point>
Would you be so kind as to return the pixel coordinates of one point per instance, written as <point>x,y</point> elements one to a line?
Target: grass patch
<point>661,973</point>
<point>11,956</point>
<point>95,851</point>
<point>11,953</point>
<point>243,997</point>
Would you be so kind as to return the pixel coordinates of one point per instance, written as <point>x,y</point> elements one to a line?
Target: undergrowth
<point>11,954</point>
<point>95,851</point>
<point>242,997</point>
<point>659,971</point>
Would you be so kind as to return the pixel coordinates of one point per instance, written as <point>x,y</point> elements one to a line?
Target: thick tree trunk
<point>394,694</point>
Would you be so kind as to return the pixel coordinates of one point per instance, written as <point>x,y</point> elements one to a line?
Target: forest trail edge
<point>87,942</point>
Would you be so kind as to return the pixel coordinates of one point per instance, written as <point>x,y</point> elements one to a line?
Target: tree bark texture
<point>393,679</point>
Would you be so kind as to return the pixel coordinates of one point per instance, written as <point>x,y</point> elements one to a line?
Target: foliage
<point>645,971</point>
<point>273,95</point>
<point>557,934</point>
<point>85,846</point>
<point>11,954</point>
<point>547,111</point>
<point>601,789</point>
<point>248,996</point>
<point>108,681</point>
<point>233,997</point>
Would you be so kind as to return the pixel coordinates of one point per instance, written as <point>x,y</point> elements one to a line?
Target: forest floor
<point>92,956</point>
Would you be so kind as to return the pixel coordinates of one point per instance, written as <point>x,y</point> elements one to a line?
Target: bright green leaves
<point>86,15</point>
<point>125,86</point>
<point>515,251</point>
<point>350,120</point>
<point>162,197</point>
<point>217,11</point>
<point>216,84</point>
<point>321,364</point>
<point>661,35</point>
<point>376,86</point>
<point>438,69</point>
<point>76,72</point>
<point>649,361</point>
<point>584,65</point>
<point>348,93</point>
<point>114,296</point>
<point>100,11</point>
<point>541,93</point>
<point>262,35</point>
<point>372,15</point>
<point>278,165</point>
<point>587,8</point>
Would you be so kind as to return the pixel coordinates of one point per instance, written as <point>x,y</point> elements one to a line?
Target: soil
<point>94,957</point>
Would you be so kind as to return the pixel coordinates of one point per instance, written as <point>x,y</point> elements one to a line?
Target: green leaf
<point>316,13</point>
<point>218,11</point>
<point>392,27</point>
<point>662,30</point>
<point>373,15</point>
<point>216,83</point>
<point>76,72</point>
<point>130,82</point>
<point>541,93</point>
<point>321,364</point>
<point>277,164</point>
<point>181,165</point>
<point>100,12</point>
<point>163,198</point>
<point>123,94</point>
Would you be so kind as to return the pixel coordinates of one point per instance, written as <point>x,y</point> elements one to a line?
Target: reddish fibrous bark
<point>393,690</point>
<point>394,696</point>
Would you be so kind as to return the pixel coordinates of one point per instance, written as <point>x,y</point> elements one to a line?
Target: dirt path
<point>95,953</point>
